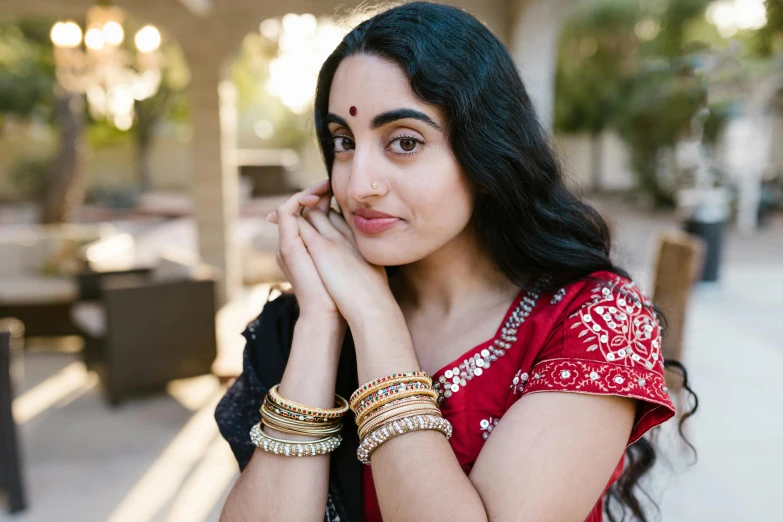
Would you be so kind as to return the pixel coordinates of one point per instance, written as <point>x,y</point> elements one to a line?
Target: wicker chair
<point>146,328</point>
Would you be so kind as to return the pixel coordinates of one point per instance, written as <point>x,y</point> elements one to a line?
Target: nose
<point>365,183</point>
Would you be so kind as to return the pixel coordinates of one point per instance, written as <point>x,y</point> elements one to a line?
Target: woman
<point>456,251</point>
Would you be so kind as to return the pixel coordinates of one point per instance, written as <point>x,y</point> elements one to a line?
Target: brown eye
<point>342,143</point>
<point>407,144</point>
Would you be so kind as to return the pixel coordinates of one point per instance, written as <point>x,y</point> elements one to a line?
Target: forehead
<point>373,85</point>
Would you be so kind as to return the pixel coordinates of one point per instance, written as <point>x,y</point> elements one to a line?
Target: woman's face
<point>382,133</point>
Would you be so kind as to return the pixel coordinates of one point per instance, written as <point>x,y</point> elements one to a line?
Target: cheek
<point>443,205</point>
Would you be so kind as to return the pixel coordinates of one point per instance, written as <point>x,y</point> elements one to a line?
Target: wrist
<point>383,315</point>
<point>319,339</point>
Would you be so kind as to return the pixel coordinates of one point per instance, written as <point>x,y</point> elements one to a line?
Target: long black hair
<point>530,222</point>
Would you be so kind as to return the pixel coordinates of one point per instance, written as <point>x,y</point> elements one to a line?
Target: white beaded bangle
<point>293,448</point>
<point>407,424</point>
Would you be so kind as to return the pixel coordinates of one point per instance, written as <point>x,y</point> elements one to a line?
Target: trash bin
<point>708,222</point>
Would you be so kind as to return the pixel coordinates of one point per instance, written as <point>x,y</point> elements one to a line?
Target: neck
<point>459,272</point>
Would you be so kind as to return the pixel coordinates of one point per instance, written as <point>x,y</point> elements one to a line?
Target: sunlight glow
<point>33,402</point>
<point>304,43</point>
<point>165,476</point>
<point>730,16</point>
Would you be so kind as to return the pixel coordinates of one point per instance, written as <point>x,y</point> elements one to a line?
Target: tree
<point>597,50</point>
<point>632,68</point>
<point>28,84</point>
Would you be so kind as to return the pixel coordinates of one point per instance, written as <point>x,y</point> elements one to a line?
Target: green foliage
<point>26,67</point>
<point>633,66</point>
<point>769,38</point>
<point>597,52</point>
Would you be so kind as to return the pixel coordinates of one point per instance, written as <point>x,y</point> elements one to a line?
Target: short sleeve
<point>608,342</point>
<point>268,342</point>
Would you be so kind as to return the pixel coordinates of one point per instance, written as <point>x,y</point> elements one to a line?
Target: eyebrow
<point>387,117</point>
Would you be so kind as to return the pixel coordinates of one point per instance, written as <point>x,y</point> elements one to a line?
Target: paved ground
<point>162,459</point>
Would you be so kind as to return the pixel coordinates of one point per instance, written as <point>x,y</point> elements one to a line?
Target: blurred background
<point>142,143</point>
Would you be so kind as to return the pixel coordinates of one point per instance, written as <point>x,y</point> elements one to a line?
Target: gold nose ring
<point>374,185</point>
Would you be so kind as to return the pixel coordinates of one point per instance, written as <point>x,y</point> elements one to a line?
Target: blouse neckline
<point>477,348</point>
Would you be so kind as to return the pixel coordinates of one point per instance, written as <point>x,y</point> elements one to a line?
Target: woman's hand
<point>293,257</point>
<point>355,285</point>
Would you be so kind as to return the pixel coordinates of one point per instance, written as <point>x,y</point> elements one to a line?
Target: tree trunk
<point>65,184</point>
<point>143,172</point>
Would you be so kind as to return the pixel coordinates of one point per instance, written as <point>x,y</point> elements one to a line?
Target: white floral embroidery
<point>519,381</point>
<point>487,425</point>
<point>620,322</point>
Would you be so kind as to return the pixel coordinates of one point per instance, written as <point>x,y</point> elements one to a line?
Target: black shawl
<point>268,344</point>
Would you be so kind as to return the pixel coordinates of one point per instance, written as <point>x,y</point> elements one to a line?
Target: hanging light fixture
<point>112,76</point>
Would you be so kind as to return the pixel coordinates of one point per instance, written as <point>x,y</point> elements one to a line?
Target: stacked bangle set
<point>384,408</point>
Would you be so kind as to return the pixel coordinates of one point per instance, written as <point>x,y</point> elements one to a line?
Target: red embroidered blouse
<point>598,337</point>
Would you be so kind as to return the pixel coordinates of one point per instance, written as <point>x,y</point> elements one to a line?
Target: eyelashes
<point>343,143</point>
<point>406,138</point>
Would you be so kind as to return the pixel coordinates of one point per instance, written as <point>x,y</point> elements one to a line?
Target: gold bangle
<point>394,404</point>
<point>392,390</point>
<point>399,380</point>
<point>329,413</point>
<point>298,426</point>
<point>297,431</point>
<point>302,428</point>
<point>386,400</point>
<point>379,383</point>
<point>405,407</point>
<point>295,416</point>
<point>268,410</point>
<point>395,415</point>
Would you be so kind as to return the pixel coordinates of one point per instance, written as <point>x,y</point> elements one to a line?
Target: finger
<point>339,224</point>
<point>326,200</point>
<point>305,200</point>
<point>320,188</point>
<point>285,215</point>
<point>308,233</point>
<point>321,223</point>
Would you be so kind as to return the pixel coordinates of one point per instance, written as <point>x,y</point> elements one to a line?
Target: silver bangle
<point>293,448</point>
<point>407,424</point>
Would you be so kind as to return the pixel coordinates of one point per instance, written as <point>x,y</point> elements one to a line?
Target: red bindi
<point>352,110</point>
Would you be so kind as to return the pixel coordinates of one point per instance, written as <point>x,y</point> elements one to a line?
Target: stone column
<point>535,38</point>
<point>215,178</point>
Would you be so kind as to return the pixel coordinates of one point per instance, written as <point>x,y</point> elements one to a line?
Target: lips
<point>373,221</point>
<point>371,214</point>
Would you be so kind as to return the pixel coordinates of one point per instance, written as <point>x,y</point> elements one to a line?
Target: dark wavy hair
<point>530,222</point>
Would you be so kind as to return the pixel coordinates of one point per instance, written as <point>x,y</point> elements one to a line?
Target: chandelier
<point>112,76</point>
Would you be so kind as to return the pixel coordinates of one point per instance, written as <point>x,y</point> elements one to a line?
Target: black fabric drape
<point>268,344</point>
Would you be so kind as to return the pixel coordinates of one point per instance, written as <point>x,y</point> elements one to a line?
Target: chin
<point>389,252</point>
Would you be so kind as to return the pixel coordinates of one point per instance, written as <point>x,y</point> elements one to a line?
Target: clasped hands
<point>318,254</point>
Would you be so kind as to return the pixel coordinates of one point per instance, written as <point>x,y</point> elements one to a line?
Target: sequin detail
<point>487,425</point>
<point>519,382</point>
<point>558,296</point>
<point>457,378</point>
